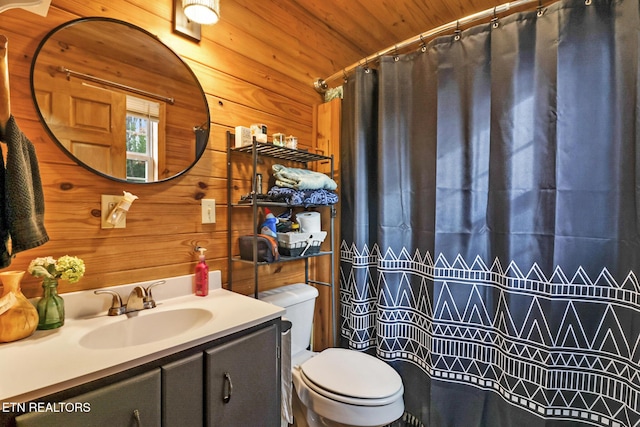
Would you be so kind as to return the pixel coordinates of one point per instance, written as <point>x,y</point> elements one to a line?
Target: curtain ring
<point>396,58</point>
<point>457,32</point>
<point>366,65</point>
<point>344,75</point>
<point>587,2</point>
<point>540,9</point>
<point>423,45</point>
<point>494,20</point>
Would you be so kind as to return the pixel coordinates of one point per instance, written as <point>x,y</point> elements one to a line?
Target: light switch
<point>208,211</point>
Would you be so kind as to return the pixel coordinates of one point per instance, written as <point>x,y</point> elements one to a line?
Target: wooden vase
<point>22,318</point>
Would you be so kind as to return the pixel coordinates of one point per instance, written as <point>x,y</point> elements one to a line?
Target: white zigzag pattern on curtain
<point>547,361</point>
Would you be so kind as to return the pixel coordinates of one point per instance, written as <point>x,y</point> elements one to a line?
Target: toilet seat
<point>351,377</point>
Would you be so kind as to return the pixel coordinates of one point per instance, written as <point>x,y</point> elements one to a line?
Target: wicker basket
<point>298,244</point>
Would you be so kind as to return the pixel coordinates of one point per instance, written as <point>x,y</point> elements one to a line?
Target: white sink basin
<point>144,328</point>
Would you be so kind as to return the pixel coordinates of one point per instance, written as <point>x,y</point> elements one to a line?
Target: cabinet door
<point>130,403</point>
<point>243,381</point>
<point>182,391</point>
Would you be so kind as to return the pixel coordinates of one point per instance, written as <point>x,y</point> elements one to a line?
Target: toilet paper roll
<point>309,222</point>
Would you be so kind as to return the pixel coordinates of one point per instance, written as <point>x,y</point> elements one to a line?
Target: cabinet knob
<point>227,388</point>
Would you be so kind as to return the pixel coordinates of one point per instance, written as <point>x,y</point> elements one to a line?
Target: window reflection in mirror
<point>142,136</point>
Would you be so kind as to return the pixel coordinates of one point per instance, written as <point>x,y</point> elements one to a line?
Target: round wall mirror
<point>119,101</point>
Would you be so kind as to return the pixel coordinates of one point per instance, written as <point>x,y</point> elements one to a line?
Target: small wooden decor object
<point>19,317</point>
<point>5,105</point>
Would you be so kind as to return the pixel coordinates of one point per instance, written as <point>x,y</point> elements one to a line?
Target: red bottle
<point>202,275</point>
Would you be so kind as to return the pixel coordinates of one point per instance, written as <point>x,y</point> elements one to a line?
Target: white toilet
<point>337,387</point>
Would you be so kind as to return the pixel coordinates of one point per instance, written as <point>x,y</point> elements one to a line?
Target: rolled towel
<point>302,179</point>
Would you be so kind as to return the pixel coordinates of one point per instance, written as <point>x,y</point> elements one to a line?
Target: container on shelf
<point>299,244</point>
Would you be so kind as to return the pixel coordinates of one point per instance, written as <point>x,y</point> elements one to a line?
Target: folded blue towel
<point>302,197</point>
<point>302,179</point>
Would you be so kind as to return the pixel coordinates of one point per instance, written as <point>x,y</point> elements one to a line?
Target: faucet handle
<point>149,297</point>
<point>116,302</point>
<point>153,285</point>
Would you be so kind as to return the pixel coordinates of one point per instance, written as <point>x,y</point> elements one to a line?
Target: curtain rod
<point>321,84</point>
<point>126,88</point>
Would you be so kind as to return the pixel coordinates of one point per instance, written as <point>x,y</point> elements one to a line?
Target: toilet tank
<point>298,300</point>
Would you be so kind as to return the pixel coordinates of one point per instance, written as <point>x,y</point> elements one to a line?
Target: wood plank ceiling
<point>371,25</point>
<point>364,27</point>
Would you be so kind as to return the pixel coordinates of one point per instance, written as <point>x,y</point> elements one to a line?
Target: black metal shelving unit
<point>304,158</point>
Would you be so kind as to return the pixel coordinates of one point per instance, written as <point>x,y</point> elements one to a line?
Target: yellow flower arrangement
<point>66,267</point>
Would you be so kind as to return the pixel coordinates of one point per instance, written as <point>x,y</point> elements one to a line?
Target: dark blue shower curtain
<point>490,220</point>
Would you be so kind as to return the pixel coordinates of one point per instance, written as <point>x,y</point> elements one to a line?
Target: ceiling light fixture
<point>206,12</point>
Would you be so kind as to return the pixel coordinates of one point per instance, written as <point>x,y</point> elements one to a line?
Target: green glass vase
<point>50,306</point>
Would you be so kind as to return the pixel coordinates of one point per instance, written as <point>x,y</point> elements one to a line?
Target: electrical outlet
<point>208,211</point>
<point>108,203</point>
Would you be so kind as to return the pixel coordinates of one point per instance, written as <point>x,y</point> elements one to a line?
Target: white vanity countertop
<point>51,361</point>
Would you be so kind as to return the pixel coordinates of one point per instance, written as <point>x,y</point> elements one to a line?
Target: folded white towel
<point>302,179</point>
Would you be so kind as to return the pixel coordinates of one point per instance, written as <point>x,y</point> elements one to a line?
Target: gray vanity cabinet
<point>182,392</point>
<point>243,381</point>
<point>131,402</point>
<point>233,381</point>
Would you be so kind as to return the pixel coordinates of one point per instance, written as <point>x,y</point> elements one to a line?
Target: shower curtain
<point>490,212</point>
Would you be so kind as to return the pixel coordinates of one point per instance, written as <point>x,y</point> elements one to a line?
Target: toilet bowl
<point>340,387</point>
<point>336,387</point>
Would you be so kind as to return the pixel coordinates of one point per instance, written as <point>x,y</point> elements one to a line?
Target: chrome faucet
<point>140,298</point>
<point>136,300</point>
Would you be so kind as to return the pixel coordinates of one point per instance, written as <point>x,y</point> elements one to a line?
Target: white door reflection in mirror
<point>88,120</point>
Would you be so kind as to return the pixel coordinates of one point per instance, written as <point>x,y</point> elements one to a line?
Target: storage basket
<point>267,248</point>
<point>295,243</point>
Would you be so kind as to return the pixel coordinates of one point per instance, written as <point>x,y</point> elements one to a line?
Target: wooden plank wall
<point>256,65</point>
